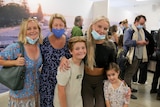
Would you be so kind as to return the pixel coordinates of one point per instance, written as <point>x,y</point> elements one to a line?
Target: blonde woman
<point>100,53</point>
<point>53,48</point>
<point>30,36</point>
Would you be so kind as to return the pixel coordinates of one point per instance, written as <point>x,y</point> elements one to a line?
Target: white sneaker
<point>135,83</point>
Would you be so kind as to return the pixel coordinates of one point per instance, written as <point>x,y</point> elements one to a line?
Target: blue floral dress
<point>51,60</point>
<point>29,95</point>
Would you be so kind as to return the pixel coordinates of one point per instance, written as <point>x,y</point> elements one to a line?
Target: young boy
<point>68,88</point>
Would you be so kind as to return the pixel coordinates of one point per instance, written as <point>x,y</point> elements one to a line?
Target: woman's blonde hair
<point>56,16</point>
<point>90,59</point>
<point>74,40</point>
<point>23,30</point>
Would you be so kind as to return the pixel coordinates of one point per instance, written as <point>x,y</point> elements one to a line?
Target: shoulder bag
<point>13,77</point>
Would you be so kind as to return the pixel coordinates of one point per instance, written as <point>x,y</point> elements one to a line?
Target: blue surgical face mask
<point>97,36</point>
<point>140,26</point>
<point>58,32</point>
<point>31,41</point>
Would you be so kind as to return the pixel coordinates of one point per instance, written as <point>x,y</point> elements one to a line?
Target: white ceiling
<point>127,3</point>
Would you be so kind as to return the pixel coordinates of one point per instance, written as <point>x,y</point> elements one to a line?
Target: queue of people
<point>81,71</point>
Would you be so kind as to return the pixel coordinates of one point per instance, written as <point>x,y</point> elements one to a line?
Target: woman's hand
<point>128,95</point>
<point>64,64</point>
<point>20,61</point>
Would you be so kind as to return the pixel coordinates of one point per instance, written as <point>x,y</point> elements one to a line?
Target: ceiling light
<point>142,0</point>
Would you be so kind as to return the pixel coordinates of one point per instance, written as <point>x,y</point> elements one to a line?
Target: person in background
<point>30,36</point>
<point>116,92</point>
<point>114,36</point>
<point>155,88</point>
<point>158,92</point>
<point>68,88</point>
<point>135,42</point>
<point>121,58</point>
<point>125,25</point>
<point>120,29</point>
<point>144,65</point>
<point>54,47</point>
<point>77,29</point>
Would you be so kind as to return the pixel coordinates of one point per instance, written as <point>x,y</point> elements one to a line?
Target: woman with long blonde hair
<point>30,36</point>
<point>100,52</point>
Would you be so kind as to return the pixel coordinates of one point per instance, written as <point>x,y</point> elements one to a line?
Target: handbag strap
<point>21,48</point>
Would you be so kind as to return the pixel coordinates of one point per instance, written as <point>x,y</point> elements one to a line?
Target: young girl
<point>68,88</point>
<point>116,92</point>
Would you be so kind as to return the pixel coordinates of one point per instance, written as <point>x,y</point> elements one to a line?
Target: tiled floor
<point>145,99</point>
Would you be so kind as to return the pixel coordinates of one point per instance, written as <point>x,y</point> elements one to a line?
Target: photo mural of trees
<point>12,14</point>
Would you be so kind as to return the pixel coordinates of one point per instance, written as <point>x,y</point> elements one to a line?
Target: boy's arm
<point>62,96</point>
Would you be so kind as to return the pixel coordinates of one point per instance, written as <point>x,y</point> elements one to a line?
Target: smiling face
<point>78,51</point>
<point>101,27</point>
<point>32,30</point>
<point>112,75</point>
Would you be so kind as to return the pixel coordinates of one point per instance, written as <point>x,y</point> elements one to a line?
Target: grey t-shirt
<point>72,80</point>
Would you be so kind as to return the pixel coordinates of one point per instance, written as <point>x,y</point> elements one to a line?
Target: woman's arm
<point>62,96</point>
<point>64,64</point>
<point>125,105</point>
<point>108,104</point>
<point>18,62</point>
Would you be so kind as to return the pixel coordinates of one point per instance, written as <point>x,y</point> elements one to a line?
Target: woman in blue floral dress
<point>54,47</point>
<point>30,36</point>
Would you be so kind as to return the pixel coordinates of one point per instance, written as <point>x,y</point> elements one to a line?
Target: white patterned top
<point>117,97</point>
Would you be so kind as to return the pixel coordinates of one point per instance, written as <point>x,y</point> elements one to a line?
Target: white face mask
<point>31,41</point>
<point>97,36</point>
<point>140,26</point>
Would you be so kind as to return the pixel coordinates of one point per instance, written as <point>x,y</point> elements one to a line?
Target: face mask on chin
<point>31,41</point>
<point>58,32</point>
<point>97,36</point>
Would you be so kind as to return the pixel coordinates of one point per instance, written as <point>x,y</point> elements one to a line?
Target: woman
<point>30,36</point>
<point>53,48</point>
<point>114,35</point>
<point>100,53</point>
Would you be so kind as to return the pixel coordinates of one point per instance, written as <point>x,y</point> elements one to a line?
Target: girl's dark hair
<point>116,68</point>
<point>113,66</point>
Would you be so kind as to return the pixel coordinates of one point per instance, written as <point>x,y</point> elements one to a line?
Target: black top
<point>104,55</point>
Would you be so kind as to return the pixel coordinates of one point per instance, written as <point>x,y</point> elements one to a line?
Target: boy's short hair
<point>74,40</point>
